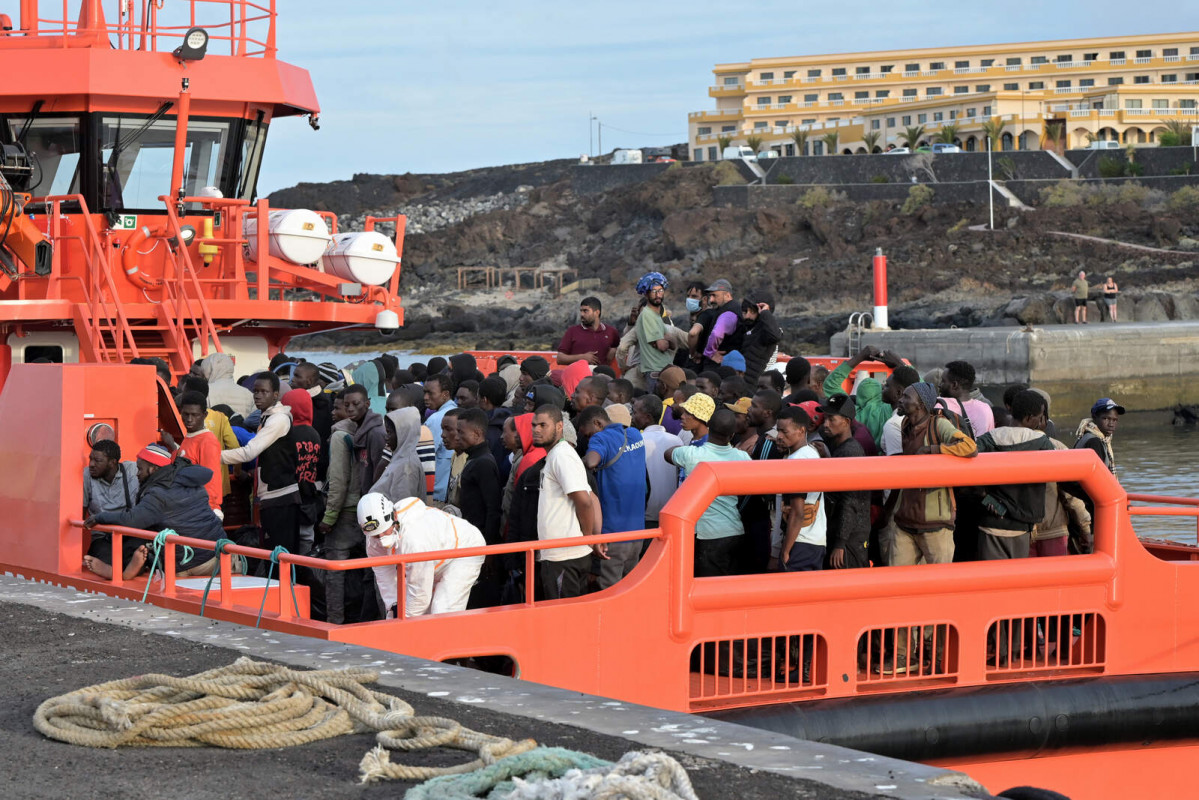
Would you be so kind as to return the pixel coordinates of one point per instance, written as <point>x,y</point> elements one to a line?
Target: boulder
<point>1150,309</point>
<point>1186,307</point>
<point>1035,310</point>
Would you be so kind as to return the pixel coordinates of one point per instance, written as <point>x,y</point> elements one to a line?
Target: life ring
<point>129,259</point>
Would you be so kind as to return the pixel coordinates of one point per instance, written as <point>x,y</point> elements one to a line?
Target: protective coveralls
<point>434,587</point>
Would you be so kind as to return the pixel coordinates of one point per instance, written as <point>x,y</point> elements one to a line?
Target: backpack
<point>960,421</point>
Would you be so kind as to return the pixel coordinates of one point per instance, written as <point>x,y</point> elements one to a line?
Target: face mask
<point>693,304</point>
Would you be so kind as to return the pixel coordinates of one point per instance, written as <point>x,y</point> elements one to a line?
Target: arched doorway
<point>971,144</point>
<point>1006,141</point>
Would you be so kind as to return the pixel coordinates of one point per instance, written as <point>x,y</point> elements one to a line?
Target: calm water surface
<point>1160,461</point>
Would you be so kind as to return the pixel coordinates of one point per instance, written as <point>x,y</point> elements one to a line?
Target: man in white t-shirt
<point>564,508</point>
<point>803,537</point>
<point>663,476</point>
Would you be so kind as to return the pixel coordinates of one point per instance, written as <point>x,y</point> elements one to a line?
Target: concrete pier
<point>1144,366</point>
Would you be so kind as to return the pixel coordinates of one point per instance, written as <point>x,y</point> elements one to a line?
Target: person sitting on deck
<point>170,496</point>
<point>109,484</point>
<point>409,526</point>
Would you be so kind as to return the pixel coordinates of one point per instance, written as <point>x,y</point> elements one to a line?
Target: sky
<point>457,84</point>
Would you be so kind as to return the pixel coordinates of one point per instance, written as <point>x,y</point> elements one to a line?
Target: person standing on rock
<point>1080,289</point>
<point>1111,290</point>
<point>591,340</point>
<point>653,344</point>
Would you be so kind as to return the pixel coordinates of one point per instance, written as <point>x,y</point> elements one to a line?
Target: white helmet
<point>376,514</point>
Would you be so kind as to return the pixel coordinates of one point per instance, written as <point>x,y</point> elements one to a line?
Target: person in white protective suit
<point>409,526</point>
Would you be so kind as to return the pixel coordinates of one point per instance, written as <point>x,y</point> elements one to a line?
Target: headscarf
<point>329,372</point>
<point>404,476</point>
<point>649,279</point>
<point>872,411</point>
<point>300,403</point>
<point>367,376</point>
<point>927,393</point>
<point>573,374</point>
<point>548,395</point>
<point>463,367</point>
<point>531,452</point>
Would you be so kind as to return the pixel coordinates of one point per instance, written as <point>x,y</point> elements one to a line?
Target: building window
<point>1169,79</point>
<point>1186,103</point>
<point>763,101</point>
<point>702,131</point>
<point>1036,85</point>
<point>938,116</point>
<point>1170,51</point>
<point>789,149</point>
<point>766,76</point>
<point>1115,81</point>
<point>953,113</point>
<point>910,92</point>
<point>890,122</point>
<point>789,74</point>
<point>874,126</point>
<point>971,112</point>
<point>760,126</point>
<point>1116,55</point>
<point>1011,87</point>
<point>727,128</point>
<point>1130,103</point>
<point>1191,76</point>
<point>987,62</point>
<point>1084,82</point>
<point>784,99</point>
<point>1014,62</point>
<point>1039,59</point>
<point>983,87</point>
<point>732,81</point>
<point>862,70</point>
<point>1062,84</point>
<point>1144,54</point>
<point>835,96</point>
<point>782,123</point>
<point>911,67</point>
<point>921,118</point>
<point>1065,59</point>
<point>933,91</point>
<point>1140,79</point>
<point>886,68</point>
<point>817,148</point>
<point>961,65</point>
<point>808,121</point>
<point>814,73</point>
<point>811,98</point>
<point>711,153</point>
<point>882,93</point>
<point>961,90</point>
<point>699,155</point>
<point>1089,57</point>
<point>907,119</point>
<point>1162,104</point>
<point>1195,51</point>
<point>838,71</point>
<point>986,111</point>
<point>937,65</point>
<point>861,95</point>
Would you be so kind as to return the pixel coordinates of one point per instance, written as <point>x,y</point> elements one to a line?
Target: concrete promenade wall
<point>948,168</point>
<point>598,178</point>
<point>1144,366</point>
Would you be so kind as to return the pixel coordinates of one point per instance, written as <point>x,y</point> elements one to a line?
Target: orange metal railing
<point>246,28</point>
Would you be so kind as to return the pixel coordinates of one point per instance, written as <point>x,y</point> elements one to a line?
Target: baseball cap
<point>720,285</point>
<point>155,454</point>
<point>1106,404</point>
<point>740,407</point>
<point>813,410</point>
<point>840,405</point>
<point>700,406</point>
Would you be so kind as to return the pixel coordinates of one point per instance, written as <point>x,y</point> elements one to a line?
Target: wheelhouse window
<point>136,155</point>
<point>53,145</point>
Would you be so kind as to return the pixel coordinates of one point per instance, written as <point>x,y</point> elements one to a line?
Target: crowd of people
<point>376,459</point>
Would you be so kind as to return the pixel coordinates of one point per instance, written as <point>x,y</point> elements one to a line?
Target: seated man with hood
<point>169,495</point>
<point>217,369</point>
<point>409,526</point>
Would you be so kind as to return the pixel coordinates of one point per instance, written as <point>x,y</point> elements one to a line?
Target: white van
<point>626,157</point>
<point>1104,144</point>
<point>739,151</point>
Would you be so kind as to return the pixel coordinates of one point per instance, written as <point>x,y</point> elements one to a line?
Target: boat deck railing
<point>234,27</point>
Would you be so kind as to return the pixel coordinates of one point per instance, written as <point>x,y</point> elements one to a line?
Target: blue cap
<point>1106,404</point>
<point>734,360</point>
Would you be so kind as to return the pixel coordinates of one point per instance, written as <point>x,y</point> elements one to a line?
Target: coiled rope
<point>251,704</point>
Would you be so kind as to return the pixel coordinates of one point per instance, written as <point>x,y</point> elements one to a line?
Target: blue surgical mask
<point>693,304</point>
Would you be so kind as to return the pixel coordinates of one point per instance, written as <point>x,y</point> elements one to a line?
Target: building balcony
<point>718,114</point>
<point>731,90</point>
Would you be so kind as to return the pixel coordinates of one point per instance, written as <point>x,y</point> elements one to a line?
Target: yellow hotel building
<point>1119,88</point>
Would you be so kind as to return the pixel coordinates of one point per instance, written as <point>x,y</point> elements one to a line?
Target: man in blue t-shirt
<point>616,453</point>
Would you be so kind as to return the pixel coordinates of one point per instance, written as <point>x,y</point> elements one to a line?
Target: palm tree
<point>1176,134</point>
<point>800,137</point>
<point>754,142</point>
<point>911,136</point>
<point>948,133</point>
<point>993,129</point>
<point>830,141</point>
<point>871,140</point>
<point>1054,133</point>
<point>724,141</point>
